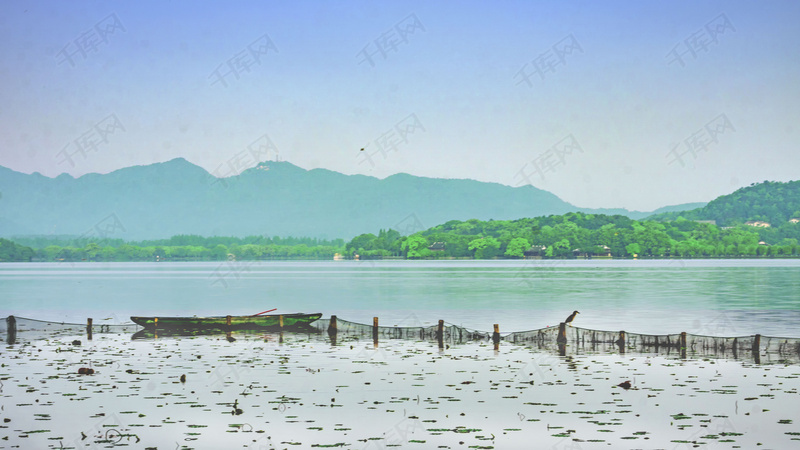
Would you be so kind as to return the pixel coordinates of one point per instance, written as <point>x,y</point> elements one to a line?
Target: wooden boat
<point>226,323</point>
<point>158,333</point>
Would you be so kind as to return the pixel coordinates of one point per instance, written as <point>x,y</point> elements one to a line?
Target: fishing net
<point>451,334</point>
<point>14,328</point>
<point>770,348</point>
<point>573,339</point>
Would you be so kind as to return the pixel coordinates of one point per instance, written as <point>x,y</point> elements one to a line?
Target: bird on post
<point>571,318</point>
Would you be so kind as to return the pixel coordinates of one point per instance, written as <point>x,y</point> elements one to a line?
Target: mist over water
<point>710,297</point>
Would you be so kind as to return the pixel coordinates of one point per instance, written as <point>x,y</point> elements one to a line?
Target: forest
<point>176,248</point>
<point>572,235</point>
<point>576,235</point>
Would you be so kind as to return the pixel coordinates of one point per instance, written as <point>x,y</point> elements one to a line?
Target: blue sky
<point>610,119</point>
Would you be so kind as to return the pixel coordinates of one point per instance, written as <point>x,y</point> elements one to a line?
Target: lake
<point>295,390</point>
<point>711,297</point>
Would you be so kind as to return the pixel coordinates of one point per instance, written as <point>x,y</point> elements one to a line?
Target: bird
<point>625,385</point>
<point>571,318</point>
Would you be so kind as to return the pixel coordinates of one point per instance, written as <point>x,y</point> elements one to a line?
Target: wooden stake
<point>11,327</point>
<point>280,321</point>
<point>562,333</point>
<point>440,334</point>
<point>375,331</point>
<point>757,348</point>
<point>89,328</point>
<point>332,326</point>
<point>621,342</point>
<point>683,344</point>
<point>496,337</point>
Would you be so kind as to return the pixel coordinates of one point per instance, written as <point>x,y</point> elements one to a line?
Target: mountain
<point>273,199</point>
<point>771,201</point>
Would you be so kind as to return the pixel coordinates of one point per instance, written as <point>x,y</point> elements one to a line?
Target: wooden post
<point>375,331</point>
<point>280,321</point>
<point>496,337</point>
<point>332,326</point>
<point>757,348</point>
<point>621,342</point>
<point>683,344</point>
<point>332,330</point>
<point>562,333</point>
<point>440,334</point>
<point>228,323</point>
<point>11,327</point>
<point>89,328</point>
<point>735,348</point>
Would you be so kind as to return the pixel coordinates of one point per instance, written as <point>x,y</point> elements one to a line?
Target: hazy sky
<point>606,104</point>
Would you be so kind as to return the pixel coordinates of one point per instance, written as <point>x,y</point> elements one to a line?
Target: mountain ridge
<point>273,198</point>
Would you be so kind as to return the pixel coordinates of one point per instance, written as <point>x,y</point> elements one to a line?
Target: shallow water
<point>713,297</point>
<point>299,391</point>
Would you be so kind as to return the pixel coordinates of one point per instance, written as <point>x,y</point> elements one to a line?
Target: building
<point>598,251</point>
<point>437,247</point>
<point>758,223</point>
<point>535,252</point>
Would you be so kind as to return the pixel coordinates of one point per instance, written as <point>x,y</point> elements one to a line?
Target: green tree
<point>484,247</point>
<point>416,246</point>
<point>633,249</point>
<point>561,248</point>
<point>516,247</point>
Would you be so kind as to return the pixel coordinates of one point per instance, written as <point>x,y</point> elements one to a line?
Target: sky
<point>605,104</point>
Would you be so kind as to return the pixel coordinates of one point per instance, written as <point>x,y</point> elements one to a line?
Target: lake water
<point>712,297</point>
<point>295,390</point>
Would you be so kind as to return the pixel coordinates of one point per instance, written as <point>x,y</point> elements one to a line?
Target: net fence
<point>557,339</point>
<point>771,348</point>
<point>31,329</point>
<point>451,334</point>
<point>768,348</point>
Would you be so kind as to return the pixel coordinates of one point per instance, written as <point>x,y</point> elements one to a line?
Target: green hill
<point>771,201</point>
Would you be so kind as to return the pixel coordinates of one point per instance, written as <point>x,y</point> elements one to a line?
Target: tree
<point>92,250</point>
<point>11,251</point>
<point>633,249</point>
<point>516,248</point>
<point>416,246</point>
<point>561,248</point>
<point>485,247</point>
<point>219,252</point>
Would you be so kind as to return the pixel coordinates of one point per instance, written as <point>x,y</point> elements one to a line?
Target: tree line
<point>572,235</point>
<point>176,248</point>
<point>579,235</point>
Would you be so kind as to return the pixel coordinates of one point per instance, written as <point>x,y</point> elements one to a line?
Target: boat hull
<point>226,323</point>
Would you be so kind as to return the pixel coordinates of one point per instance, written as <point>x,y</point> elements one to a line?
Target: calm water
<point>302,392</point>
<point>725,298</point>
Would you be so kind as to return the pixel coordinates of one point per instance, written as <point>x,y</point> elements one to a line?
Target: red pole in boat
<point>263,312</point>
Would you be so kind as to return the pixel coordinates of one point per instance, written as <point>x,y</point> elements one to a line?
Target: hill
<point>770,201</point>
<point>273,199</point>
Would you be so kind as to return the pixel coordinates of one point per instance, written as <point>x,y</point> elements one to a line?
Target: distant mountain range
<point>273,199</point>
